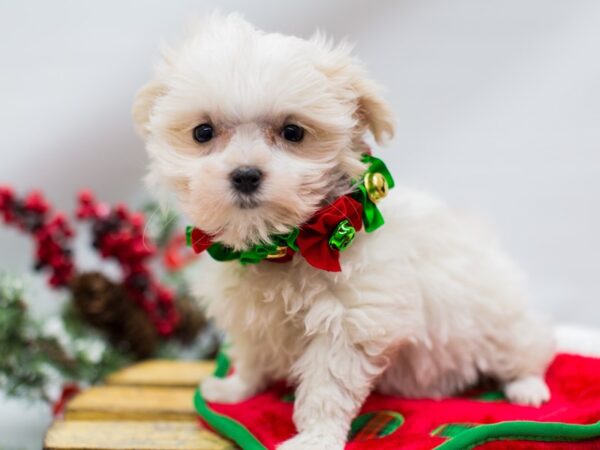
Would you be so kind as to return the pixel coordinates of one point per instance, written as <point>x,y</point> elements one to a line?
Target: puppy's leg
<point>247,380</point>
<point>521,370</point>
<point>334,377</point>
<point>528,390</point>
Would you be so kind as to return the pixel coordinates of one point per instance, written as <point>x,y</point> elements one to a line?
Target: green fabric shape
<point>223,364</point>
<point>260,251</point>
<point>376,165</point>
<point>490,396</point>
<point>342,236</point>
<point>221,253</point>
<point>452,429</point>
<point>188,235</point>
<point>372,217</point>
<point>256,253</point>
<point>379,423</point>
<point>522,431</point>
<point>289,239</point>
<point>290,397</point>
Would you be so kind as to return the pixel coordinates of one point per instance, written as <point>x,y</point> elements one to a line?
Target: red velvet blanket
<point>570,420</point>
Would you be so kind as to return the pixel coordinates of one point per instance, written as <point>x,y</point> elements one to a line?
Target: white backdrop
<point>497,103</point>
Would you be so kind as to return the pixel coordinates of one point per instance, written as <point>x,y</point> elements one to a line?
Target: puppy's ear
<point>372,111</point>
<point>144,102</point>
<point>348,75</point>
<point>146,97</point>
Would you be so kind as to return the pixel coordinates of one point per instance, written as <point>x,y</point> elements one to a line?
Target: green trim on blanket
<point>226,426</point>
<point>521,430</point>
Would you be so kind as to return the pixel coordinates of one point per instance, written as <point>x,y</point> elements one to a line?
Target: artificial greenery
<point>38,358</point>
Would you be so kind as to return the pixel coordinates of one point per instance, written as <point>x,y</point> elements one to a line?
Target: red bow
<point>199,240</point>
<point>313,240</point>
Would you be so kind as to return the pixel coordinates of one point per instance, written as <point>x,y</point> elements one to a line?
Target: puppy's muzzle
<point>246,180</point>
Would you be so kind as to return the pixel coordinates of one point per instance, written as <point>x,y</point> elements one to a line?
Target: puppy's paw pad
<point>225,390</point>
<point>527,391</point>
<point>310,441</point>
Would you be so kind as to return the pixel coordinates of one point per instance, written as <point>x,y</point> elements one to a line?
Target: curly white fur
<point>424,306</point>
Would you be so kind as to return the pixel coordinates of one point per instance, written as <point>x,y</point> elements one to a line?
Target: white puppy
<point>423,307</point>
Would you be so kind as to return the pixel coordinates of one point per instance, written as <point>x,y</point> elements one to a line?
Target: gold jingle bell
<point>280,252</point>
<point>376,186</point>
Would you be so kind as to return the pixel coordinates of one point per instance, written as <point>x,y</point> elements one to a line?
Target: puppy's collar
<point>319,240</point>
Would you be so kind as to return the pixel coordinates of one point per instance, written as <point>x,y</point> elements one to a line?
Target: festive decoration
<point>314,238</point>
<point>69,391</point>
<point>376,183</point>
<point>321,239</point>
<point>50,231</point>
<point>477,420</point>
<point>119,234</point>
<point>342,236</point>
<point>37,358</point>
<point>136,314</point>
<point>102,303</point>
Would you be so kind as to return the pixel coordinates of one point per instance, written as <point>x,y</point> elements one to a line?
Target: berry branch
<point>50,231</point>
<point>119,234</point>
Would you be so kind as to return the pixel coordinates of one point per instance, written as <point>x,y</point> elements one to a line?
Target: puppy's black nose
<point>246,179</point>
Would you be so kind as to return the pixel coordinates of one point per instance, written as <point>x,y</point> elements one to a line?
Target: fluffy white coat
<point>424,307</point>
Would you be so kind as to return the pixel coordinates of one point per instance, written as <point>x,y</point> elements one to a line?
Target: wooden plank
<point>83,435</point>
<point>162,372</point>
<point>132,403</point>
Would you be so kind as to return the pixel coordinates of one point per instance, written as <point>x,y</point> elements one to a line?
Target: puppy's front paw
<point>312,441</point>
<point>226,390</point>
<point>527,391</point>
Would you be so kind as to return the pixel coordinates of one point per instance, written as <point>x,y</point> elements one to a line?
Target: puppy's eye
<point>292,133</point>
<point>203,133</point>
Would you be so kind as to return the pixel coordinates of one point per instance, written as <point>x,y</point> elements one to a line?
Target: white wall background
<point>498,107</point>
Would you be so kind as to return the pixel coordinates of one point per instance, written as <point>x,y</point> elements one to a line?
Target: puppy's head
<point>253,131</point>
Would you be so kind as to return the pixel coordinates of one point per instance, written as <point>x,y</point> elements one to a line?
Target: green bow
<point>372,217</point>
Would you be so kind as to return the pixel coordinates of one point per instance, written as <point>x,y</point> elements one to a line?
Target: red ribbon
<point>69,391</point>
<point>200,240</point>
<point>313,240</point>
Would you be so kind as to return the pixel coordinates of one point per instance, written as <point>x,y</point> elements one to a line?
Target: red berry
<point>6,196</point>
<point>86,197</point>
<point>164,328</point>
<point>35,202</point>
<point>137,220</point>
<point>121,211</point>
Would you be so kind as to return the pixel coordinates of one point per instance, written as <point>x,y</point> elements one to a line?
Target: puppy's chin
<point>247,202</point>
<point>244,222</point>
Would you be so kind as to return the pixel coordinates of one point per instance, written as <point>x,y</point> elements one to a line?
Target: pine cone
<point>106,306</point>
<point>137,333</point>
<point>98,299</point>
